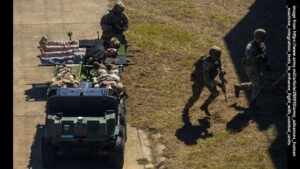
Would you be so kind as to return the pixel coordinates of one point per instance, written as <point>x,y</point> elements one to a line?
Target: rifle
<point>263,62</point>
<point>282,77</point>
<point>223,82</point>
<point>99,55</point>
<point>264,65</point>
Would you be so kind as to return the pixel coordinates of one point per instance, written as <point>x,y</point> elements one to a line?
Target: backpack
<point>198,66</point>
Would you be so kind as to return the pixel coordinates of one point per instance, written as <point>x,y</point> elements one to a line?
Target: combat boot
<point>186,108</point>
<point>236,91</point>
<point>204,108</point>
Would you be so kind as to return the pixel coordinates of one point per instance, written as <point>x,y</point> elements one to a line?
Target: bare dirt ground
<point>53,18</point>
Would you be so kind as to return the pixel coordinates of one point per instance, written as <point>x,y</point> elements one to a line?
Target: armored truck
<point>83,115</point>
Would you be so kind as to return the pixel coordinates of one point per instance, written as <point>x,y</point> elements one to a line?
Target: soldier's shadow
<point>78,160</point>
<point>263,119</point>
<point>240,121</point>
<point>189,133</point>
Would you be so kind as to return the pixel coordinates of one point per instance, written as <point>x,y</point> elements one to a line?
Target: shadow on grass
<point>270,15</point>
<point>240,121</point>
<point>264,118</point>
<point>189,133</point>
<point>79,159</point>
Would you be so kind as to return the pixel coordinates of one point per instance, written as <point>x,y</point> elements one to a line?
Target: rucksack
<point>198,67</point>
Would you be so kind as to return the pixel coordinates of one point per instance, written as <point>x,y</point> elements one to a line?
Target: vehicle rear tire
<point>48,154</point>
<point>116,153</point>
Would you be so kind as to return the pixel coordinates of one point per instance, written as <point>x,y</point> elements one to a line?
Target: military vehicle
<point>85,116</point>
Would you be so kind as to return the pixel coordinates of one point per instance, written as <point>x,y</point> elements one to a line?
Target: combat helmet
<point>214,51</point>
<point>118,8</point>
<point>259,33</point>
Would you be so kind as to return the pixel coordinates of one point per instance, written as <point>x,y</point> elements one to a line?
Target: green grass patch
<point>159,38</point>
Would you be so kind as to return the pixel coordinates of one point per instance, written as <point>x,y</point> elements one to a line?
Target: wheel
<point>123,132</point>
<point>123,129</point>
<point>116,153</point>
<point>48,154</point>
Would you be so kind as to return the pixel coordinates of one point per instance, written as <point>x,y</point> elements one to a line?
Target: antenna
<point>70,35</point>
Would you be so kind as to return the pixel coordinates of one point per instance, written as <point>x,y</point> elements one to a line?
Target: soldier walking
<point>114,23</point>
<point>254,60</point>
<point>206,69</point>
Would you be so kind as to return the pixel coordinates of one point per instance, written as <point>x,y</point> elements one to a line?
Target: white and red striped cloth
<point>60,52</point>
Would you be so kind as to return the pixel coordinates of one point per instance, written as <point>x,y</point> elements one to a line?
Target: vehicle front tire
<point>116,153</point>
<point>48,154</point>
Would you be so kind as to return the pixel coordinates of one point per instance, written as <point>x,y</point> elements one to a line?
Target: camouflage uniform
<point>108,76</point>
<point>111,50</point>
<point>253,54</point>
<point>64,77</point>
<point>114,23</point>
<point>203,76</point>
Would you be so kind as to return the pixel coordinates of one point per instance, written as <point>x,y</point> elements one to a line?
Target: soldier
<point>207,68</point>
<point>114,23</point>
<point>108,77</point>
<point>64,77</point>
<point>255,55</point>
<point>111,50</point>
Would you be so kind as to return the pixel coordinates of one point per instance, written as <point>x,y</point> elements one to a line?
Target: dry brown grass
<point>167,37</point>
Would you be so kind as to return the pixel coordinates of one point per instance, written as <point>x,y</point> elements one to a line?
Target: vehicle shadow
<point>79,160</point>
<point>38,92</point>
<point>189,133</point>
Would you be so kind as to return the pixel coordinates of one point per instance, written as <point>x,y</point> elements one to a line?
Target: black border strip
<point>6,85</point>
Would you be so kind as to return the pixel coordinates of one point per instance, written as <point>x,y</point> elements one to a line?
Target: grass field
<point>168,36</point>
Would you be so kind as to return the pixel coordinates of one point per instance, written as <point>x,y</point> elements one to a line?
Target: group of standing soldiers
<point>115,22</point>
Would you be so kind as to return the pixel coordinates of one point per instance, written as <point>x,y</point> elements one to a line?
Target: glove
<point>121,27</point>
<point>124,28</point>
